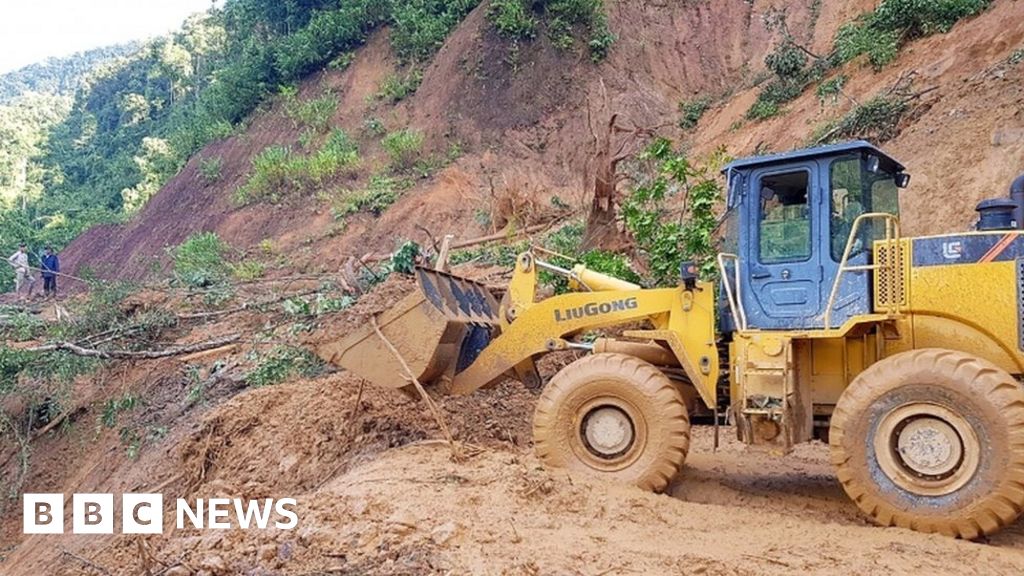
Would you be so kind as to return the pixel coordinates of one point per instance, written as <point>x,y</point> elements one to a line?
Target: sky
<point>33,30</point>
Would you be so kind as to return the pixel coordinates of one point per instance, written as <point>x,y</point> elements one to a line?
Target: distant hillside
<point>59,76</point>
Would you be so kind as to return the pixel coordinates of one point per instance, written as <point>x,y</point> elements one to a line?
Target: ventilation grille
<point>1020,303</point>
<point>890,277</point>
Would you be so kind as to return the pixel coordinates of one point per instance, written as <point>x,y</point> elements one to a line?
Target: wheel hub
<point>927,449</point>
<point>608,432</point>
<point>930,446</point>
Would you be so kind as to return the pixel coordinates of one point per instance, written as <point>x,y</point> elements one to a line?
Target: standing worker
<point>51,267</point>
<point>22,274</point>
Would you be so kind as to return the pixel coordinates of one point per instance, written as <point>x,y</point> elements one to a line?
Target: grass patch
<point>248,270</point>
<point>397,87</point>
<point>404,147</point>
<point>277,171</point>
<point>315,114</point>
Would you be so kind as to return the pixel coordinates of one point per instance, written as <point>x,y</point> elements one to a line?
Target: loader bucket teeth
<point>429,328</point>
<point>463,300</point>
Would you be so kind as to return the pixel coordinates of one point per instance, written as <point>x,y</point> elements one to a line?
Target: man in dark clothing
<point>51,266</point>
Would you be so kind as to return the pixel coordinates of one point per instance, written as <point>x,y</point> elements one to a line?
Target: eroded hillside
<point>509,132</point>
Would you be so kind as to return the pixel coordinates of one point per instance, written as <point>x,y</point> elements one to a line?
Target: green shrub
<point>113,407</point>
<point>209,169</point>
<point>273,170</point>
<point>199,260</point>
<point>404,147</point>
<point>565,241</point>
<point>397,87</point>
<point>788,65</point>
<point>316,113</point>
<point>419,27</point>
<point>769,102</point>
<point>856,38</point>
<point>404,259</point>
<point>512,18</point>
<point>601,40</point>
<point>918,18</point>
<point>20,325</point>
<point>831,89</point>
<point>666,239</point>
<point>691,112</point>
<point>342,61</point>
<point>786,61</point>
<point>338,153</point>
<point>879,34</point>
<point>282,363</point>
<point>566,20</point>
<point>374,126</point>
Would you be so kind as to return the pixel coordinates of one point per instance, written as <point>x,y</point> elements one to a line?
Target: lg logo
<point>144,513</point>
<point>952,250</point>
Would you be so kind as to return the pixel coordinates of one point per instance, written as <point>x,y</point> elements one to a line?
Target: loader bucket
<point>437,329</point>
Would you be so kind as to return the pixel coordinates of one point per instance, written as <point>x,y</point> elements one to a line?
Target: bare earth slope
<point>525,130</point>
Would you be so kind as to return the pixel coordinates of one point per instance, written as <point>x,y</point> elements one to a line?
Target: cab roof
<point>816,152</point>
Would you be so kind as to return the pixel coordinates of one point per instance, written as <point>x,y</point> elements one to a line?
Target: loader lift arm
<point>681,320</point>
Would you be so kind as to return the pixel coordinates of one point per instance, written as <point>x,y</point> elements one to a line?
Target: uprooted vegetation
<point>876,36</point>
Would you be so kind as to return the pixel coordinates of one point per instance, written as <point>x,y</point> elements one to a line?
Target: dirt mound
<point>318,431</point>
<point>413,510</point>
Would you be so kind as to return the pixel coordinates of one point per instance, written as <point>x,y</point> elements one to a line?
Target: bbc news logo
<point>144,514</point>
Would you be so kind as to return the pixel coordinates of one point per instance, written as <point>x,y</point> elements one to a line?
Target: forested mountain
<point>59,76</point>
<point>134,120</point>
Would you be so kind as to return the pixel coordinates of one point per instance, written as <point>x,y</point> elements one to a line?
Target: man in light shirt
<point>22,274</point>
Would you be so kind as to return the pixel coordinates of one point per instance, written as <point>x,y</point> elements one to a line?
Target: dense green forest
<point>59,76</point>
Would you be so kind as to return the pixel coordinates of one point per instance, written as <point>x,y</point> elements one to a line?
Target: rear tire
<point>933,440</point>
<point>613,416</point>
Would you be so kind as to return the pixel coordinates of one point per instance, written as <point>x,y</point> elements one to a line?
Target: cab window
<point>784,220</point>
<point>856,191</point>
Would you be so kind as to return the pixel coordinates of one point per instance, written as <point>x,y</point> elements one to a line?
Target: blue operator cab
<point>787,223</point>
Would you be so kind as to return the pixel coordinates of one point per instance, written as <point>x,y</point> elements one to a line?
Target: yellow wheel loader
<point>904,354</point>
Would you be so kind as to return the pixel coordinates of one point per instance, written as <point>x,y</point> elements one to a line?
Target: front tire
<point>933,440</point>
<point>613,416</point>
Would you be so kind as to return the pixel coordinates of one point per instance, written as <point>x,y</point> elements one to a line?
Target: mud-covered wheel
<point>614,416</point>
<point>933,440</point>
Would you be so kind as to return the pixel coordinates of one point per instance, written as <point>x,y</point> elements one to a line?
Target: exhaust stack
<point>1017,195</point>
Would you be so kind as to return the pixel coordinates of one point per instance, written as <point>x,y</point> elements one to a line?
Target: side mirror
<point>688,274</point>
<point>902,180</point>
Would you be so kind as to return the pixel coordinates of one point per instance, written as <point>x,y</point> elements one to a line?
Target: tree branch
<point>135,354</point>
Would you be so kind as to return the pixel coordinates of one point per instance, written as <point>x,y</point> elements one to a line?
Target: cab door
<point>782,286</point>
